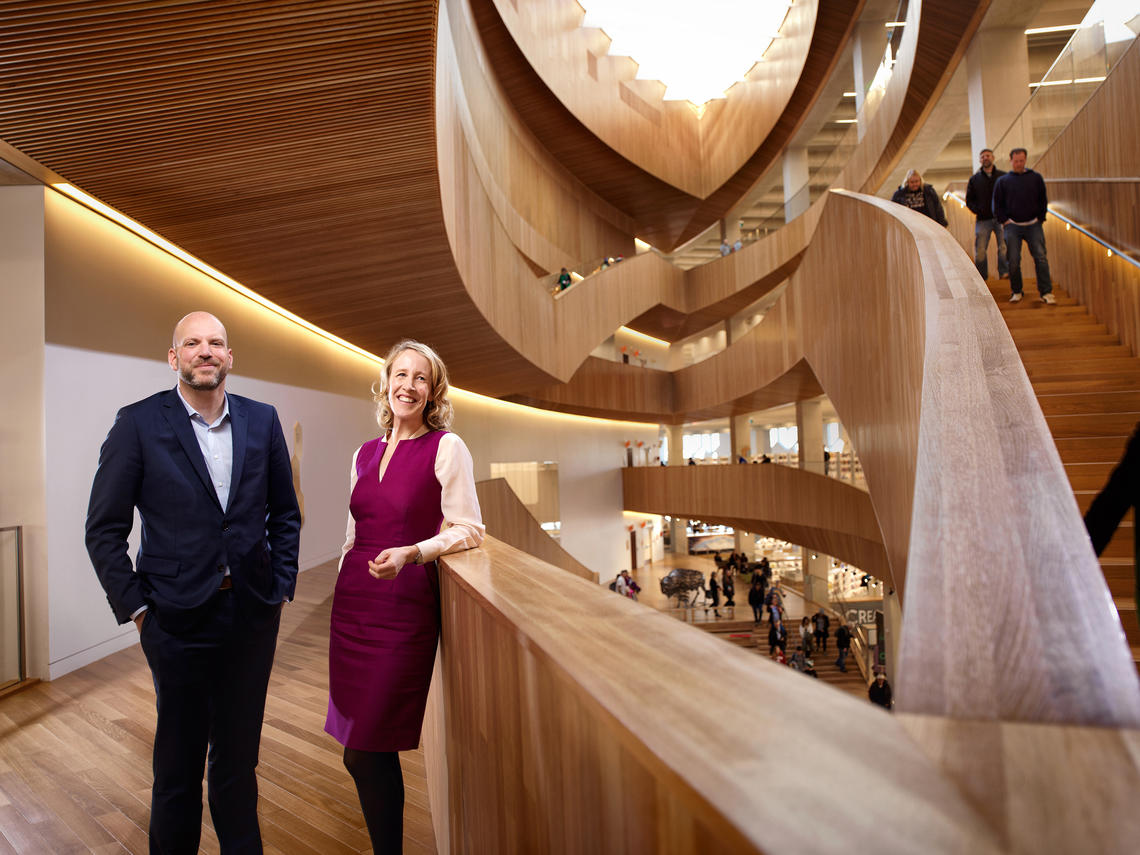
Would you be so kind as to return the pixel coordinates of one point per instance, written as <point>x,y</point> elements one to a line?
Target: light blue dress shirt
<point>217,443</point>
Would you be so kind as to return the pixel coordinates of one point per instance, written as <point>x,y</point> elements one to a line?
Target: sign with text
<point>861,613</point>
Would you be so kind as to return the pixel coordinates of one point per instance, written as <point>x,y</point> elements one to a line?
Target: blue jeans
<point>982,231</point>
<point>841,662</point>
<point>1033,235</point>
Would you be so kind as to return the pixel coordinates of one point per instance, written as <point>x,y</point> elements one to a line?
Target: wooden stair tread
<point>1045,385</point>
<point>1083,403</point>
<point>1088,387</point>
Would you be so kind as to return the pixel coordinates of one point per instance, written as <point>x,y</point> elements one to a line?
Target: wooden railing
<point>780,501</point>
<point>666,139</point>
<point>1092,174</point>
<point>578,721</point>
<point>508,519</point>
<point>499,186</point>
<point>567,719</point>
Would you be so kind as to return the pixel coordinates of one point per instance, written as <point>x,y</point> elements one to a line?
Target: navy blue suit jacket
<point>151,460</point>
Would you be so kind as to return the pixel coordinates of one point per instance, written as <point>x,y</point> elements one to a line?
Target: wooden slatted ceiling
<point>290,145</point>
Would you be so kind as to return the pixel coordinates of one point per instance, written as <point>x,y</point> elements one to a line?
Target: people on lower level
<point>879,691</point>
<point>843,644</point>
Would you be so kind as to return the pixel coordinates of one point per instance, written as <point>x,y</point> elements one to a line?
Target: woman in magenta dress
<point>412,499</point>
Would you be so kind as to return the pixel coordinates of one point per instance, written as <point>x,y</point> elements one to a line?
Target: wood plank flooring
<point>1088,386</point>
<point>75,755</point>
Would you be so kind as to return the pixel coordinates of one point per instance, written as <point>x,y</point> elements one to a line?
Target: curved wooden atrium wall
<point>397,168</point>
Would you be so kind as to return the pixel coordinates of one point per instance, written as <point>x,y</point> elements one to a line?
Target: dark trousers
<point>210,681</point>
<point>982,231</point>
<point>1034,237</point>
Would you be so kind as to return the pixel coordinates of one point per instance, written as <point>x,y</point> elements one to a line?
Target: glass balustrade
<point>1095,47</point>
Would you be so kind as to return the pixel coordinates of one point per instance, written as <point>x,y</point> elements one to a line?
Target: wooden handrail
<point>951,439</point>
<point>666,139</point>
<point>575,720</point>
<point>780,501</point>
<point>485,207</point>
<point>508,519</point>
<point>567,719</point>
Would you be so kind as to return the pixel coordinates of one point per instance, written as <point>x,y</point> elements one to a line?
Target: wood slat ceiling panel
<point>289,144</point>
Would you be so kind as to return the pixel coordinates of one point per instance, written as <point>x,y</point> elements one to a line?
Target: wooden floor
<point>1088,386</point>
<point>75,755</point>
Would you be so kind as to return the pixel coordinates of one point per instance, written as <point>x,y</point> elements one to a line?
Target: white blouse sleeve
<point>350,531</point>
<point>462,519</point>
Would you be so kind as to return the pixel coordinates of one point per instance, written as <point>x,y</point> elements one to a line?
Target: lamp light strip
<point>153,238</point>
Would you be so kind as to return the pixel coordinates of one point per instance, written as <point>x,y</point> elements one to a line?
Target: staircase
<point>743,634</point>
<point>1088,386</point>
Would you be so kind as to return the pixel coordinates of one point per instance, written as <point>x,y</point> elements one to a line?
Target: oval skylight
<point>697,49</point>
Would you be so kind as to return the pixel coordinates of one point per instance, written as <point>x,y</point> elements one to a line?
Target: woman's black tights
<point>380,785</point>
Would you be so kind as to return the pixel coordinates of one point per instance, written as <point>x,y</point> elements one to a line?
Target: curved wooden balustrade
<point>508,520</point>
<point>486,208</point>
<point>780,501</point>
<point>331,205</point>
<point>664,138</point>
<point>565,719</point>
<point>931,390</point>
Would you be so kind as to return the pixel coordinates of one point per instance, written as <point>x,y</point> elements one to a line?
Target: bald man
<point>209,475</point>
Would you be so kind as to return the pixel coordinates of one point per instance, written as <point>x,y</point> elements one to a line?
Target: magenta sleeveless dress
<point>384,631</point>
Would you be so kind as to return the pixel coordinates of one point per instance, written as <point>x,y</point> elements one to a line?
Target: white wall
<point>22,501</point>
<point>78,415</point>
<point>111,302</point>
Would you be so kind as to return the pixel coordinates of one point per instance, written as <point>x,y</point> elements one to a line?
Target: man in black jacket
<point>1020,205</point>
<point>979,199</point>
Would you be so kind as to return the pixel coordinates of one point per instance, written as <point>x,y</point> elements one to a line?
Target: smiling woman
<point>412,499</point>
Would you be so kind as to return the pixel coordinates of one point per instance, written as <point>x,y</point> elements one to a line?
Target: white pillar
<point>797,195</point>
<point>674,437</point>
<point>869,44</point>
<point>678,540</point>
<point>892,628</point>
<point>809,426</point>
<point>740,436</point>
<point>816,569</point>
<point>997,79</point>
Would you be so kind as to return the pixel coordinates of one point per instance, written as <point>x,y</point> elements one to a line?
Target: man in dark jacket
<point>979,199</point>
<point>843,642</point>
<point>1020,205</point>
<point>920,197</point>
<point>879,692</point>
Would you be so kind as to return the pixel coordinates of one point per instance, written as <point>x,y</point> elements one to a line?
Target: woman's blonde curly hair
<point>437,411</point>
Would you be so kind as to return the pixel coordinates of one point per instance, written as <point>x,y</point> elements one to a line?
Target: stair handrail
<point>1069,222</point>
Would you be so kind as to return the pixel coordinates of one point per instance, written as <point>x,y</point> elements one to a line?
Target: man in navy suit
<point>209,474</point>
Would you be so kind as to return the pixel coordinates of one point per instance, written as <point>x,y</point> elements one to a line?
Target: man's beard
<point>187,375</point>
